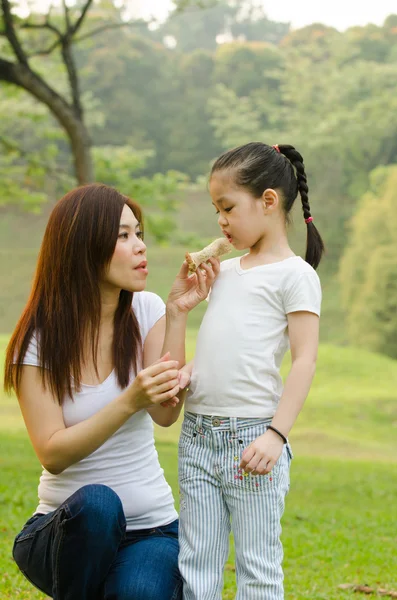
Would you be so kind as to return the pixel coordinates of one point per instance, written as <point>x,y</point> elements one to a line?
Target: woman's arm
<point>57,446</point>
<point>261,456</point>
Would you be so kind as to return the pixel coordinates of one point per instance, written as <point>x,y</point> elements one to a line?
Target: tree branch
<point>10,33</point>
<point>45,51</point>
<point>105,28</point>
<point>45,25</point>
<point>67,16</point>
<point>80,20</point>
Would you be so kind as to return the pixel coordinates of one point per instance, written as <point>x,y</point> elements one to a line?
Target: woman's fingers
<point>165,377</point>
<point>159,367</point>
<point>170,395</point>
<point>164,387</point>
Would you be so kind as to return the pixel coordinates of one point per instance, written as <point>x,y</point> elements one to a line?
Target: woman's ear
<point>270,200</point>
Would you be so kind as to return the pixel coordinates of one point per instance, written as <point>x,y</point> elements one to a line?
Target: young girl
<point>234,452</point>
<point>85,363</point>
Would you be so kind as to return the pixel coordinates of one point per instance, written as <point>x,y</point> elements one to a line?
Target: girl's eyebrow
<point>220,200</point>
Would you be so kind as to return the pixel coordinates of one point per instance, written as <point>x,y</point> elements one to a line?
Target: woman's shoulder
<point>148,308</point>
<point>146,299</point>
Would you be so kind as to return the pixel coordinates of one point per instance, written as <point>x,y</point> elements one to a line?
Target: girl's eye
<point>123,236</point>
<point>228,209</point>
<point>217,212</point>
<point>139,234</point>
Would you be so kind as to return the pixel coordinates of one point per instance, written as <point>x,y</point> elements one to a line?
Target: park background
<point>108,92</point>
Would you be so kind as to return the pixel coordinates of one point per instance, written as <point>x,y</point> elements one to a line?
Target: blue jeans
<point>217,497</point>
<point>81,551</point>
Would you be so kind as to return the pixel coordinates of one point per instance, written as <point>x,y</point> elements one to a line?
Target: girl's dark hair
<point>257,166</point>
<point>64,307</point>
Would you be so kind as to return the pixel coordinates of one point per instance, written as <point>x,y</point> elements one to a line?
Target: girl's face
<point>241,217</point>
<point>127,269</point>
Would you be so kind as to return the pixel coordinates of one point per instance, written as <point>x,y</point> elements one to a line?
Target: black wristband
<point>279,433</point>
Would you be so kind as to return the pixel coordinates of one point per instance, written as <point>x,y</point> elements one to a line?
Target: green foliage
<point>369,267</point>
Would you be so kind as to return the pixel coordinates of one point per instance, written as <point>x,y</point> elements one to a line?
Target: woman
<point>94,361</point>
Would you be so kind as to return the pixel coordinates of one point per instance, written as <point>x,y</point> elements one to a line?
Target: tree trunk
<point>21,75</point>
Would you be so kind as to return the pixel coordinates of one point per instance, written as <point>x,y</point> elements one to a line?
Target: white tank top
<point>127,462</point>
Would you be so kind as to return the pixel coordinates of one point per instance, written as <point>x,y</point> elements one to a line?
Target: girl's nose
<point>222,221</point>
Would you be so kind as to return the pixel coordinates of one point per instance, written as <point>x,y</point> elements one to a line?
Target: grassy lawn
<point>338,525</point>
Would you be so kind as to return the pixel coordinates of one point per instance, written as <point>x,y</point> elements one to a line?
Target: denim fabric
<point>81,551</point>
<point>217,497</point>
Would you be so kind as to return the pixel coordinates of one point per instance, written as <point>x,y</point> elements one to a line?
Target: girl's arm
<point>57,446</point>
<point>303,330</point>
<point>169,333</point>
<point>261,456</point>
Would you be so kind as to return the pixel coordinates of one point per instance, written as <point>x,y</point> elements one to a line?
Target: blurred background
<point>143,95</point>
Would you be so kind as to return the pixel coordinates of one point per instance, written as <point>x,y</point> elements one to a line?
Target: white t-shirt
<point>244,336</point>
<point>127,462</point>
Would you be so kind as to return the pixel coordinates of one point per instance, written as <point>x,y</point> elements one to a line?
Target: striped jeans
<point>216,497</point>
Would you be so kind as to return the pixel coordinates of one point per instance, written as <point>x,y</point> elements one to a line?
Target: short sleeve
<point>303,294</point>
<point>32,353</point>
<point>148,308</point>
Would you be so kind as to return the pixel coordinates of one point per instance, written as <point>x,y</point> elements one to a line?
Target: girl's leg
<point>256,505</point>
<point>68,552</point>
<point>146,567</point>
<point>204,522</point>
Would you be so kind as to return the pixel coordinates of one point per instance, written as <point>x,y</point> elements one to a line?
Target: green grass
<point>338,526</point>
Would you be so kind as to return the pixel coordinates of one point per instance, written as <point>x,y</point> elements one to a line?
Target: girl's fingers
<point>263,467</point>
<point>246,457</point>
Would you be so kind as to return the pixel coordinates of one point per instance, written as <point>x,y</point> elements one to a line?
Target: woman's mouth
<point>142,267</point>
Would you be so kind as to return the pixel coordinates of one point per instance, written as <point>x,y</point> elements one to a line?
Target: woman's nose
<point>140,247</point>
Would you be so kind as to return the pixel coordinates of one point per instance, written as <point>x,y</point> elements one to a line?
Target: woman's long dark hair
<point>64,307</point>
<point>257,166</point>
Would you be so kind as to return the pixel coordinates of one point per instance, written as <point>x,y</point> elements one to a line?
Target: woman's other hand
<point>157,383</point>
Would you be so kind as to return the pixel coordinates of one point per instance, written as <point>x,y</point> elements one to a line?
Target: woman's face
<point>127,269</point>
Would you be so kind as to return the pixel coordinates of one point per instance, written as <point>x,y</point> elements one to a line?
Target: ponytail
<point>314,243</point>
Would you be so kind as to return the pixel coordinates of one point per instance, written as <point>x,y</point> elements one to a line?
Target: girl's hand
<point>184,376</point>
<point>260,457</point>
<point>184,380</point>
<point>189,290</point>
<point>157,383</point>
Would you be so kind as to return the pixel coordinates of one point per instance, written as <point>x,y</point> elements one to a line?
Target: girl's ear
<point>270,200</point>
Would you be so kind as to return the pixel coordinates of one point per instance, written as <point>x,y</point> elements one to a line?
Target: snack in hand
<point>217,248</point>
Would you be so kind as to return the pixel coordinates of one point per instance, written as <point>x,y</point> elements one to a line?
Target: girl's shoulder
<point>229,263</point>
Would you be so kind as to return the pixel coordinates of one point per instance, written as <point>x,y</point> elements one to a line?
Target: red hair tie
<point>276,148</point>
<point>309,220</point>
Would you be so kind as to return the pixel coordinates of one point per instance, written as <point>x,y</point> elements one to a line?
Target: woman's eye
<point>123,236</point>
<point>139,234</point>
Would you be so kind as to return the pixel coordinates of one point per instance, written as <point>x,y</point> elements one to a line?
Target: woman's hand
<point>156,384</point>
<point>189,290</point>
<point>260,457</point>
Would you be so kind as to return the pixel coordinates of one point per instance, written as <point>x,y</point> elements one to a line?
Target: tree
<point>368,271</point>
<point>69,112</point>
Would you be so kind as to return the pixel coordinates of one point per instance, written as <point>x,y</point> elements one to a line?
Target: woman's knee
<point>98,508</point>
